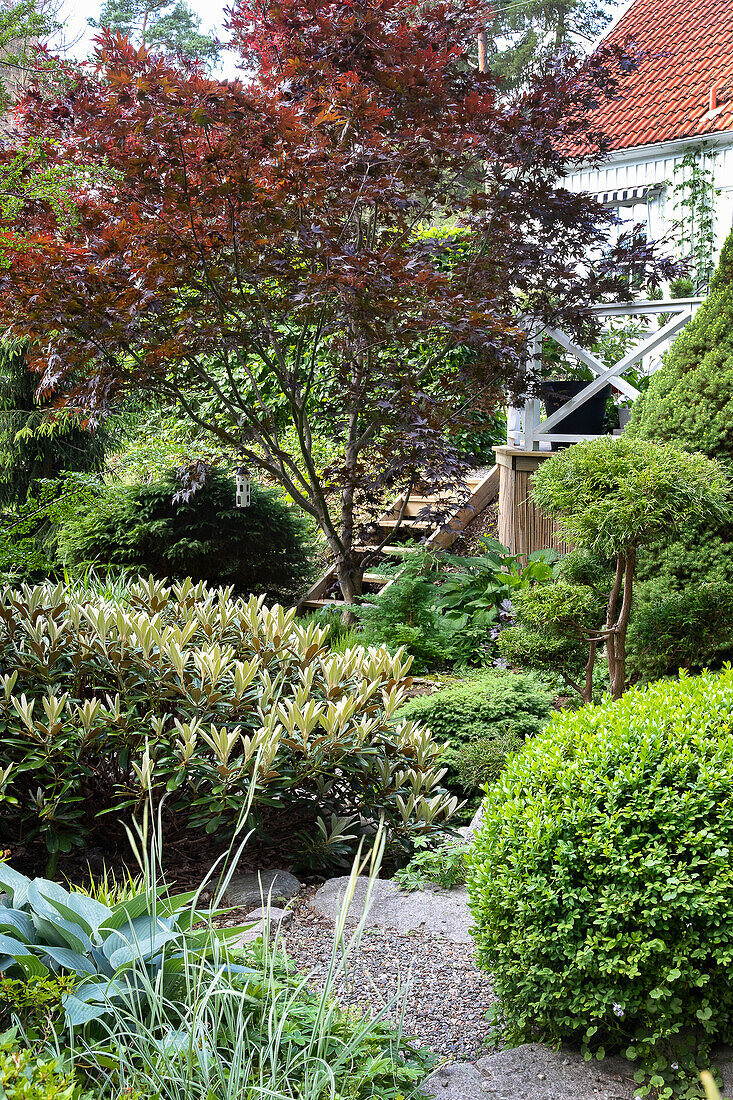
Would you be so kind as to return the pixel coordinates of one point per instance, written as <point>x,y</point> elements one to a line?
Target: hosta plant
<point>115,953</point>
<point>109,699</point>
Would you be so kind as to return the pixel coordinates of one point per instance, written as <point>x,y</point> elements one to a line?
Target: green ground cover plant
<point>25,1075</point>
<point>168,530</point>
<point>185,692</point>
<point>601,884</point>
<point>443,864</point>
<point>491,713</point>
<point>447,610</point>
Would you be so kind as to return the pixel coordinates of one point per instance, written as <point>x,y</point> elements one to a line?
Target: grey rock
<point>442,912</point>
<point>469,831</point>
<point>259,924</point>
<point>277,916</point>
<point>535,1072</point>
<point>457,1081</point>
<point>253,889</point>
<point>722,1059</point>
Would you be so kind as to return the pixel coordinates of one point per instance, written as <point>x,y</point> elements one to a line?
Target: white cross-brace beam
<point>672,327</point>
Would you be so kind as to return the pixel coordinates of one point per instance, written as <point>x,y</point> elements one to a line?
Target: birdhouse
<point>243,497</point>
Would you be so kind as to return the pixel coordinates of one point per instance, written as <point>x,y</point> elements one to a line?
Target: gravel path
<point>446,996</point>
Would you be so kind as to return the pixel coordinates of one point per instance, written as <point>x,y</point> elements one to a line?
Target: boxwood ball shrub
<point>601,880</point>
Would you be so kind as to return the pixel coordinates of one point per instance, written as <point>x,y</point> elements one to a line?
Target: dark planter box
<point>587,420</point>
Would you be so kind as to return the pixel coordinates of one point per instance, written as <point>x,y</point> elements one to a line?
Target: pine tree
<point>160,24</point>
<point>523,34</point>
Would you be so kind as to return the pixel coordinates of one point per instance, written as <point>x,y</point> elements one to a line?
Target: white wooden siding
<point>645,167</point>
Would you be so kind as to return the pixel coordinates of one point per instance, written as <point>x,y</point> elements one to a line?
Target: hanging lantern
<point>243,497</point>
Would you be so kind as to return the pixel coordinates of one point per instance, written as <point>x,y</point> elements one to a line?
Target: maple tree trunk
<point>483,52</point>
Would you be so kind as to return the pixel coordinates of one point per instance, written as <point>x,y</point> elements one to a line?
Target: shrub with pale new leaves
<point>107,699</point>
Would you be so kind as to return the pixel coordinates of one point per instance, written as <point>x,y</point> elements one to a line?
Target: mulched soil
<point>446,997</point>
<point>485,525</point>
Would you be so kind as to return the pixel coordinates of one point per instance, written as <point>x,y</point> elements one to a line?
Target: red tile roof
<point>669,96</point>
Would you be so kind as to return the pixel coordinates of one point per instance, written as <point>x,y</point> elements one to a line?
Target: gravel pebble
<point>446,996</point>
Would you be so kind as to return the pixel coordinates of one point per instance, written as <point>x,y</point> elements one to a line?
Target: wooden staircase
<point>409,528</point>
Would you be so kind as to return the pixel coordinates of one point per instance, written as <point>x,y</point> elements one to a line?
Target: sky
<point>74,15</point>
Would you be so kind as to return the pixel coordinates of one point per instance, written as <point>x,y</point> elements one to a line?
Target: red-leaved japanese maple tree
<point>348,244</point>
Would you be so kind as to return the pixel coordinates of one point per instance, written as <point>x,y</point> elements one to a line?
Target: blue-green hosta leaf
<point>126,911</point>
<point>72,960</point>
<point>141,948</point>
<point>32,966</point>
<point>91,1000</point>
<point>78,1013</point>
<point>80,909</point>
<point>144,927</point>
<point>10,946</point>
<point>61,933</point>
<point>40,892</point>
<point>15,884</point>
<point>18,922</point>
<point>101,962</point>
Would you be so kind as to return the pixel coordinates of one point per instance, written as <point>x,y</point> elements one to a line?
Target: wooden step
<point>375,578</point>
<point>390,551</point>
<point>317,604</point>
<point>407,523</point>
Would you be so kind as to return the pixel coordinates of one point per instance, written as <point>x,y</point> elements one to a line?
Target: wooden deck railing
<point>527,429</point>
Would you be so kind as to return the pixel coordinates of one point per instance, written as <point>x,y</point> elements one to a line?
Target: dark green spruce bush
<point>497,707</point>
<point>265,548</point>
<point>601,880</point>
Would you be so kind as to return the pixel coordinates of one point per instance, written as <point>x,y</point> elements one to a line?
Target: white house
<point>671,160</point>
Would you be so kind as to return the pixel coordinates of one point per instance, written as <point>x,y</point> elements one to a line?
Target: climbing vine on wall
<point>694,193</point>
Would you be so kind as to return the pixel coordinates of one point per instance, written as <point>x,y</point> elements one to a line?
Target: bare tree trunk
<point>618,684</point>
<point>350,582</point>
<point>588,686</point>
<point>483,52</point>
<point>611,617</point>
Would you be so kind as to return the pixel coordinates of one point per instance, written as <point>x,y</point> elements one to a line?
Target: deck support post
<point>522,527</point>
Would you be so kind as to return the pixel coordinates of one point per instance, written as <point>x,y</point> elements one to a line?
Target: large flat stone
<point>536,1072</point>
<point>252,890</point>
<point>441,912</point>
<point>458,1081</point>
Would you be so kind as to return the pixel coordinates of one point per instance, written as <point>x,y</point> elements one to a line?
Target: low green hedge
<point>601,880</point>
<point>499,707</point>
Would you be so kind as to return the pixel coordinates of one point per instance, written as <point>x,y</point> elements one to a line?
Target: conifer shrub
<point>689,402</point>
<point>601,882</point>
<point>262,549</point>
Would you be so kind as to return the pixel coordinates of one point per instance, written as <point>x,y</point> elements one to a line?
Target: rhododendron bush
<point>185,693</point>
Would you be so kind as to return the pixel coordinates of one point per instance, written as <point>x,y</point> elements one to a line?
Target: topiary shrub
<point>500,707</point>
<point>262,549</point>
<point>601,881</point>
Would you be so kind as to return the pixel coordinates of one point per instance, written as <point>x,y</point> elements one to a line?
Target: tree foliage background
<point>352,245</point>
